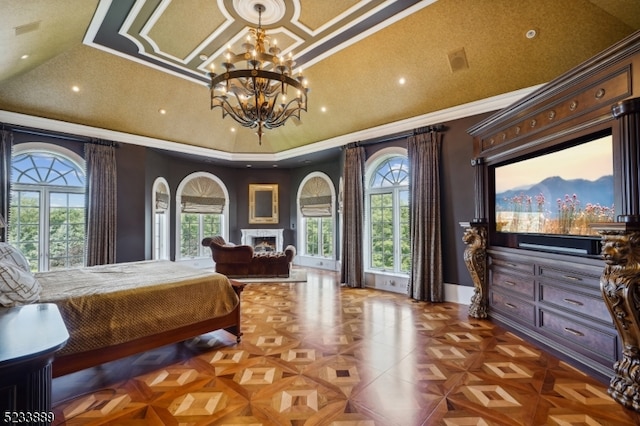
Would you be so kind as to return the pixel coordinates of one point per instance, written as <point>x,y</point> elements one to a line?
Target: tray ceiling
<point>140,66</point>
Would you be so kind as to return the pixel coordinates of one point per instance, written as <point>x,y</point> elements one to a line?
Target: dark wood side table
<point>29,338</point>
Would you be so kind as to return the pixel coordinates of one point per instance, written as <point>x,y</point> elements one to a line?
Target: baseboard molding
<point>458,293</point>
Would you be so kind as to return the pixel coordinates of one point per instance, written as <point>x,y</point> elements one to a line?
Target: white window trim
<point>225,211</point>
<point>371,165</point>
<point>301,219</point>
<point>167,223</point>
<point>45,191</point>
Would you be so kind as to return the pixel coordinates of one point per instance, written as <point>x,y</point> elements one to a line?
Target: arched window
<point>161,198</point>
<point>47,209</point>
<point>387,206</point>
<point>202,210</point>
<point>316,201</point>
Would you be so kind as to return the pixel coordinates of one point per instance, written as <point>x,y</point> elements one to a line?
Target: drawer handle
<point>510,305</point>
<point>574,332</point>
<point>571,277</point>
<point>510,283</point>
<point>573,302</point>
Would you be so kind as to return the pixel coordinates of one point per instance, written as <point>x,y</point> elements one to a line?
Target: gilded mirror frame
<point>263,203</point>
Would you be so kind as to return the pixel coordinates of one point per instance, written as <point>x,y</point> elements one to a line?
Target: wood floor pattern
<point>316,353</point>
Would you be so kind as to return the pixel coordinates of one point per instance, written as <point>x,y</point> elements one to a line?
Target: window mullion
<point>45,206</point>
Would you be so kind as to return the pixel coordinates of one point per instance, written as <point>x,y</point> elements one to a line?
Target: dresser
<point>555,300</point>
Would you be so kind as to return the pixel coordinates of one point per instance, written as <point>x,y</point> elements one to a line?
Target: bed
<point>117,310</point>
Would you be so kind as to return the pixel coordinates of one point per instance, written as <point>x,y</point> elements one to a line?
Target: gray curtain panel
<point>352,270</point>
<point>425,280</point>
<point>6,146</point>
<point>101,205</point>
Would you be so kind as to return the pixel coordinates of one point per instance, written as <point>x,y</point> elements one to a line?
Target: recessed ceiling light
<point>162,111</point>
<point>233,129</point>
<point>532,33</point>
<point>75,88</point>
<point>203,57</point>
<point>402,80</point>
<point>25,56</point>
<point>323,109</point>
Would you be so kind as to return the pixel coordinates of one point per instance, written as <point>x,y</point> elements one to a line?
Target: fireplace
<point>261,244</point>
<point>263,239</point>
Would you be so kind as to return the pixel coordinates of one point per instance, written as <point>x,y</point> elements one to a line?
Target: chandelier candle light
<point>256,97</point>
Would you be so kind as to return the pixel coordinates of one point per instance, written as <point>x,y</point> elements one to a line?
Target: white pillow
<point>10,254</point>
<point>17,286</point>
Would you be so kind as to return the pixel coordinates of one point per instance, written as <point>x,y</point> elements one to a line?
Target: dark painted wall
<point>457,194</point>
<point>138,167</point>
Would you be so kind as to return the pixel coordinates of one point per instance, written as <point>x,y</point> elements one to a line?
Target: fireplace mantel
<point>249,234</point>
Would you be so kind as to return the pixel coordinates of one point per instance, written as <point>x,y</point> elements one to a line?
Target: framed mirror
<point>263,203</point>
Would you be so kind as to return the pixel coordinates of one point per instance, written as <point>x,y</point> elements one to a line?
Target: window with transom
<point>387,206</point>
<point>47,208</point>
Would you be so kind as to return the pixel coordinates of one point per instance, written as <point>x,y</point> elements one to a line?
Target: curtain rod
<point>37,132</point>
<point>397,136</point>
<point>63,136</point>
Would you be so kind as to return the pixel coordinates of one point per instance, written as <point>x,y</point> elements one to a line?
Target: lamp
<point>257,96</point>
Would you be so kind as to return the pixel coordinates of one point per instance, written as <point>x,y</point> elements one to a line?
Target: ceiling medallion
<point>256,97</point>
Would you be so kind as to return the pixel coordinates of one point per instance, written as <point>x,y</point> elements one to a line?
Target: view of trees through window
<point>389,216</point>
<point>319,236</point>
<point>47,210</point>
<point>194,227</point>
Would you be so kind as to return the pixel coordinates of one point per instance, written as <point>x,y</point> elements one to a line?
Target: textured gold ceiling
<point>356,81</point>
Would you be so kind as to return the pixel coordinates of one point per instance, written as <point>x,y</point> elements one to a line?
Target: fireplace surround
<point>259,238</point>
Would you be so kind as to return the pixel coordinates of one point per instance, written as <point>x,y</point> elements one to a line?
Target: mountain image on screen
<point>556,206</point>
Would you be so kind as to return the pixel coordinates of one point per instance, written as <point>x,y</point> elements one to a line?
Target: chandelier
<point>256,97</point>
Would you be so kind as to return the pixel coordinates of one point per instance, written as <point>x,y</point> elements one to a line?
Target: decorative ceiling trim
<point>123,28</point>
<point>296,17</point>
<point>454,113</point>
<point>352,34</point>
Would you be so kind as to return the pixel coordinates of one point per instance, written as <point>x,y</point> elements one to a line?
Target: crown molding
<point>449,114</point>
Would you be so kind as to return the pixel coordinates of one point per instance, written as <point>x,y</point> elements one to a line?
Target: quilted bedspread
<point>106,305</point>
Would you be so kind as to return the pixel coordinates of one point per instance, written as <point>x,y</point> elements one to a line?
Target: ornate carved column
<point>620,285</point>
<point>475,257</point>
<point>620,280</point>
<point>475,237</point>
<point>627,113</point>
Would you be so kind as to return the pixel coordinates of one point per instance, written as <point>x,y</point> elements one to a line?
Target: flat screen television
<point>548,201</point>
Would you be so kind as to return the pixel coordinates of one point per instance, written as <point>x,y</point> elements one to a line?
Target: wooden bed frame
<point>230,322</point>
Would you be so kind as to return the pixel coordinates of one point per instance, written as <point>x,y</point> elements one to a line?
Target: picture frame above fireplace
<point>263,203</point>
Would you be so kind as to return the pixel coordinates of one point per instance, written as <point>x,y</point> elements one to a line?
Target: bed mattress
<point>111,304</point>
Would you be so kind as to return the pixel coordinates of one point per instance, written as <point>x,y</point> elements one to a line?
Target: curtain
<point>425,280</point>
<point>6,146</point>
<point>352,271</point>
<point>101,203</point>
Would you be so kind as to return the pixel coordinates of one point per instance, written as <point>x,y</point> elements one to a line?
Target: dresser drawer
<point>594,340</point>
<point>583,278</point>
<point>513,307</point>
<point>574,301</point>
<point>510,281</point>
<point>516,265</point>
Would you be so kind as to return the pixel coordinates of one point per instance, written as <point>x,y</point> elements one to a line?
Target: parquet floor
<point>316,353</point>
